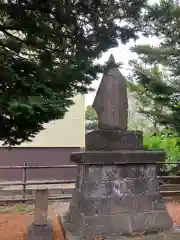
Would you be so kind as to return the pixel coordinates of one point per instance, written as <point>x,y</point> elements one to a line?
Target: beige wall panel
<point>67,132</point>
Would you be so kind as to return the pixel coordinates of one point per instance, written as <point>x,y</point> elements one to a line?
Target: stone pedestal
<point>117,192</point>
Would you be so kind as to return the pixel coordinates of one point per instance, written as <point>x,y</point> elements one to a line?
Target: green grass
<point>17,208</point>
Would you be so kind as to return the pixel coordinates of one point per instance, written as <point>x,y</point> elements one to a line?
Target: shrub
<point>168,143</point>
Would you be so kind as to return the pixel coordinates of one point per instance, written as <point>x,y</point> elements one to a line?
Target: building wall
<point>37,157</point>
<point>51,146</point>
<point>66,132</point>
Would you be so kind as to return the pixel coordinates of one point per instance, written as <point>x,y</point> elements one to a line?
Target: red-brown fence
<point>24,183</point>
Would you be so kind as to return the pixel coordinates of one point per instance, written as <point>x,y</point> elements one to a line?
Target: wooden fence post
<point>24,182</point>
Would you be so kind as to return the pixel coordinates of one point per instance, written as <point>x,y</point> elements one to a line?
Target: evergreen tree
<point>91,119</point>
<point>91,114</point>
<point>156,73</point>
<point>47,53</point>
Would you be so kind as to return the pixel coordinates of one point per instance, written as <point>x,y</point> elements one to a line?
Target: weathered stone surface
<point>121,187</point>
<point>79,177</point>
<point>107,224</point>
<point>128,204</point>
<point>158,236</point>
<point>159,205</point>
<point>100,189</point>
<point>135,171</point>
<point>113,140</point>
<point>127,223</point>
<point>91,206</point>
<point>118,157</point>
<point>171,234</point>
<point>116,205</point>
<point>142,185</point>
<point>40,232</point>
<point>99,173</point>
<point>88,232</point>
<point>111,103</point>
<point>151,221</point>
<point>74,219</point>
<point>93,173</point>
<point>114,172</point>
<point>41,207</point>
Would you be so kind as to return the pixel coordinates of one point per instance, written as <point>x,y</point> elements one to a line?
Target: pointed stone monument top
<point>111,59</point>
<point>111,102</point>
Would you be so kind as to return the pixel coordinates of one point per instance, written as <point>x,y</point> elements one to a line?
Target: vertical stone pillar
<point>40,228</point>
<point>41,207</point>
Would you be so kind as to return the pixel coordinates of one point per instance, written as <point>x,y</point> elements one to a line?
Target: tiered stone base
<point>66,225</point>
<point>117,192</point>
<point>171,235</point>
<point>117,199</point>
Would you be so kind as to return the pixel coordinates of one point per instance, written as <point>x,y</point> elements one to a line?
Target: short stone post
<point>117,194</point>
<point>40,228</point>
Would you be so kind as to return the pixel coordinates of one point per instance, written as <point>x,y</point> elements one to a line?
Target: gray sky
<point>121,54</point>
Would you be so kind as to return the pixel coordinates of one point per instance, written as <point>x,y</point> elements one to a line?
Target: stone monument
<point>117,193</point>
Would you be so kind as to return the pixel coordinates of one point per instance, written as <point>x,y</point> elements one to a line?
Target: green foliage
<point>47,53</point>
<point>156,73</point>
<point>91,118</point>
<point>166,142</point>
<point>90,126</point>
<point>156,99</point>
<point>91,114</point>
<point>169,144</point>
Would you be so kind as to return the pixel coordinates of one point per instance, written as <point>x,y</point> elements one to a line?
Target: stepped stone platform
<point>117,194</point>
